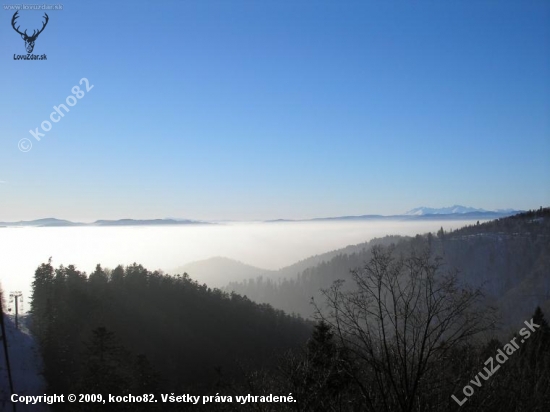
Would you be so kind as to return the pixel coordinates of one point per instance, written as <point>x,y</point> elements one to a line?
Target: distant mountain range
<point>52,222</point>
<point>456,209</point>
<point>455,212</point>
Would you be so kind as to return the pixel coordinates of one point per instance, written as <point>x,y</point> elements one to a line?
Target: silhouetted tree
<point>400,323</point>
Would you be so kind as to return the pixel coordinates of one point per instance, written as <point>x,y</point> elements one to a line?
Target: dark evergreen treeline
<point>509,257</point>
<point>129,329</point>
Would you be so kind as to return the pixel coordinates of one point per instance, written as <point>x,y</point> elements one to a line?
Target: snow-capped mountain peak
<point>456,209</point>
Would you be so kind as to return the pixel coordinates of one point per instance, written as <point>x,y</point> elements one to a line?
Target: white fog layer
<point>264,245</point>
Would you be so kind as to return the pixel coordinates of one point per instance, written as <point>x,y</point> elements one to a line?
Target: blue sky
<point>270,109</point>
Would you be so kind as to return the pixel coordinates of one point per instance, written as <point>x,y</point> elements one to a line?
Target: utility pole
<point>15,296</point>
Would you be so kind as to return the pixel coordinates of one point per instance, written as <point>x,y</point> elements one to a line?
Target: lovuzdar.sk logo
<point>29,40</point>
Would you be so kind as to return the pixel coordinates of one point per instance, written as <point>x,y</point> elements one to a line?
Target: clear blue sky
<point>267,109</point>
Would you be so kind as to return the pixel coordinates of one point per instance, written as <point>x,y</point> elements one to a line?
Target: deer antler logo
<point>29,40</point>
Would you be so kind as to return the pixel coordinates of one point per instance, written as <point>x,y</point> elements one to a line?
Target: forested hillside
<point>408,335</point>
<point>221,271</point>
<point>508,257</point>
<point>130,330</point>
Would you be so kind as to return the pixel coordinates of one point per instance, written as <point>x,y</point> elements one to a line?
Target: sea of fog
<point>265,245</point>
